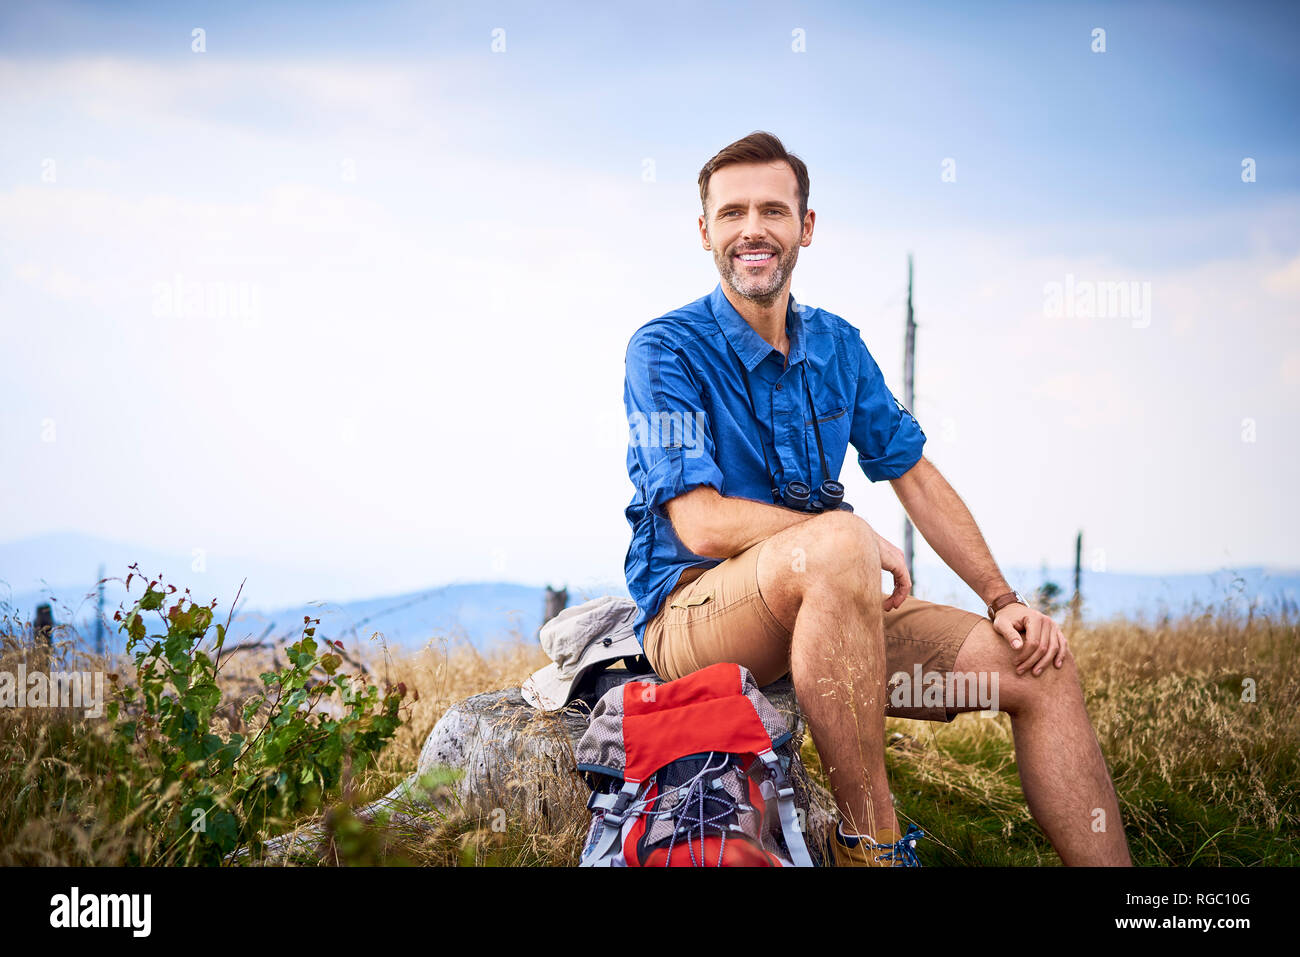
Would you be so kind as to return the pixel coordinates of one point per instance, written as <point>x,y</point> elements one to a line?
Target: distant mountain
<point>481,614</point>
<point>1137,597</point>
<point>66,564</point>
<point>60,569</point>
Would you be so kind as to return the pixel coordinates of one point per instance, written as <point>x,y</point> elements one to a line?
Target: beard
<point>761,289</point>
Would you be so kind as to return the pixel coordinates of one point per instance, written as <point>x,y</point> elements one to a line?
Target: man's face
<point>753,208</point>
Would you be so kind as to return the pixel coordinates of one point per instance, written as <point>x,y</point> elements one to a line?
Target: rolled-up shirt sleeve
<point>670,441</point>
<point>888,438</point>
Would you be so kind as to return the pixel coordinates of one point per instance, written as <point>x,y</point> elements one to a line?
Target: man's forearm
<point>751,522</point>
<point>718,526</point>
<point>946,523</point>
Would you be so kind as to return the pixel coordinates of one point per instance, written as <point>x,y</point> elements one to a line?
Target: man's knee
<point>833,555</point>
<point>832,547</point>
<point>1055,685</point>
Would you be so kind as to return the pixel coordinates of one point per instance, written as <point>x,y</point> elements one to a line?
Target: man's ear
<point>805,235</point>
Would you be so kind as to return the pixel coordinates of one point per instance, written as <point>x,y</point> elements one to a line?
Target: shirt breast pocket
<point>834,425</point>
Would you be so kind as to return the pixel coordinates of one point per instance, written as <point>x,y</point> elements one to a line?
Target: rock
<point>518,762</point>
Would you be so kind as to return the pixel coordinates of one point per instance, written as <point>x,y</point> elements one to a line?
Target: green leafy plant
<point>205,794</point>
<point>1047,598</point>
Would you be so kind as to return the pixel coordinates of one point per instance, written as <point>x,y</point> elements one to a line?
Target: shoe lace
<point>902,853</point>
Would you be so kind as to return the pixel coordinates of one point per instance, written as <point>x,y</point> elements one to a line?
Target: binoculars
<point>798,496</point>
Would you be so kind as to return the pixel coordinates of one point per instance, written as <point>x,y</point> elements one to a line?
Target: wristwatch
<point>1010,598</point>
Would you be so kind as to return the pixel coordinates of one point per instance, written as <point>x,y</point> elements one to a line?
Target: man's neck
<point>767,321</point>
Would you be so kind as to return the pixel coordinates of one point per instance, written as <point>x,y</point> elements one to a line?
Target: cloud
<point>1285,281</point>
<point>273,99</point>
<point>438,352</point>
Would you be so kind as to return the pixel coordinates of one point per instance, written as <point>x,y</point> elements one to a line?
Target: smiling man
<point>742,550</point>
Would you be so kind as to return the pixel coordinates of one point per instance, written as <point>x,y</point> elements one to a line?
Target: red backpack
<point>686,773</point>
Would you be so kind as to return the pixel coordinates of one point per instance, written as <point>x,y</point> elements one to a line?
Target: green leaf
<point>230,752</point>
<point>204,697</point>
<point>223,830</point>
<point>286,770</point>
<point>201,616</point>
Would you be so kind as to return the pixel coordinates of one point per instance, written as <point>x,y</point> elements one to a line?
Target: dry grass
<point>443,674</point>
<point>1203,777</point>
<point>53,773</point>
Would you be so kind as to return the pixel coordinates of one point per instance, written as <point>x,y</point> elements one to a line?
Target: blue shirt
<point>689,422</point>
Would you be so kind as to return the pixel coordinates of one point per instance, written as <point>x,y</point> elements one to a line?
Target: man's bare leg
<point>821,579</point>
<point>1062,771</point>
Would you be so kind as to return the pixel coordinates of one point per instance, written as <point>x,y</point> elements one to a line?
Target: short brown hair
<point>757,147</point>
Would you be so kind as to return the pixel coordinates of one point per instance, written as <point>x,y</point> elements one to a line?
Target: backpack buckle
<point>779,782</point>
<point>614,805</point>
<point>615,814</point>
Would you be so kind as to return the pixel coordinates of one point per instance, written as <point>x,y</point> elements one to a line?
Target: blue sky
<point>449,247</point>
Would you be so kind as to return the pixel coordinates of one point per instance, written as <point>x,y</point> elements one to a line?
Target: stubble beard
<point>759,290</point>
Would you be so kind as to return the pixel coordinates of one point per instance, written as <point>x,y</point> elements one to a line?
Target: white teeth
<point>754,256</point>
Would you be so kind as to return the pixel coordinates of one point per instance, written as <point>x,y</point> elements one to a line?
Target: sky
<point>350,286</point>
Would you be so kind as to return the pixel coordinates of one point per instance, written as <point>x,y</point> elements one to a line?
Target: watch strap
<point>1010,598</point>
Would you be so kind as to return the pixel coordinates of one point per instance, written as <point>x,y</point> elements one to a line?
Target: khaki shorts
<point>717,614</point>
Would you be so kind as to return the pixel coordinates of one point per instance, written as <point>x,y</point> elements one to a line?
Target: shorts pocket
<point>691,601</point>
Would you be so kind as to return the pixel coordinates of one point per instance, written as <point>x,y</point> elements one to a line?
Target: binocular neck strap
<point>753,410</point>
<point>817,430</point>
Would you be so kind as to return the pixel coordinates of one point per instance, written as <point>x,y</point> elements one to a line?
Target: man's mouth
<point>756,257</point>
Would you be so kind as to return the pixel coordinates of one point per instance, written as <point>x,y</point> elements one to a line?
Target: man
<point>739,394</point>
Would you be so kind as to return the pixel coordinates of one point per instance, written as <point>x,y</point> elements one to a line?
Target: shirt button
<point>779,387</point>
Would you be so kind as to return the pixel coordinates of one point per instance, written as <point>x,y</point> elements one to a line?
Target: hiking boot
<point>861,850</point>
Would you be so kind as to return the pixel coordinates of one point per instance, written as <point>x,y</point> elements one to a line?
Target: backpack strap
<point>779,787</point>
<point>615,806</point>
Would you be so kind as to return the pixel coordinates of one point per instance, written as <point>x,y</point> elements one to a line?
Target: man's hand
<point>1033,634</point>
<point>892,561</point>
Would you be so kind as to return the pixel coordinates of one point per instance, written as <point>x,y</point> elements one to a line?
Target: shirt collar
<point>749,345</point>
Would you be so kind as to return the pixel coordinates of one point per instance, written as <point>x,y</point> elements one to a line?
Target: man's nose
<point>755,228</point>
